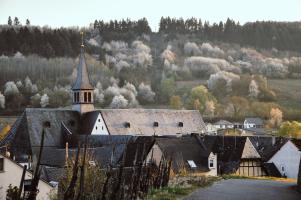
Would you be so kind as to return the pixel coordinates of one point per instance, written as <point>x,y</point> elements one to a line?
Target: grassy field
<point>288,92</point>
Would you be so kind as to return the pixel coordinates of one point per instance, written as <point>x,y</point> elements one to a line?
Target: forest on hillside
<point>223,70</point>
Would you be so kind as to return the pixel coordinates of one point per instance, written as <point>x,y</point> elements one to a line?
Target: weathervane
<point>82,35</point>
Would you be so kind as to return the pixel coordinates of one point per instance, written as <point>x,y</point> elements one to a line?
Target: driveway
<point>247,189</point>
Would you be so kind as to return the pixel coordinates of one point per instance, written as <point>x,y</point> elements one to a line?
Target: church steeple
<point>82,90</point>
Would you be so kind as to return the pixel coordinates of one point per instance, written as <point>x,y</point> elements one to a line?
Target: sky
<point>57,13</point>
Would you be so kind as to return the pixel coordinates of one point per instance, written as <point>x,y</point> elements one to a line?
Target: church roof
<point>152,121</point>
<point>82,80</point>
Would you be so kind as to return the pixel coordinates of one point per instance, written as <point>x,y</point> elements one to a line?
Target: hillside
<point>195,67</point>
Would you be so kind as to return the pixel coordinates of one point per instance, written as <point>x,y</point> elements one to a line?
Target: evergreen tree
<point>16,21</point>
<point>27,22</point>
<point>9,22</point>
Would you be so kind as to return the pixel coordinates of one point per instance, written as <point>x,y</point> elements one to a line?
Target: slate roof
<point>182,149</point>
<point>142,121</point>
<point>271,170</point>
<point>229,150</point>
<point>101,155</point>
<point>101,140</point>
<point>297,143</point>
<point>109,150</point>
<point>25,136</point>
<point>254,120</point>
<point>69,126</point>
<point>82,80</point>
<point>87,122</point>
<point>223,122</point>
<point>138,149</point>
<point>267,146</point>
<point>52,173</point>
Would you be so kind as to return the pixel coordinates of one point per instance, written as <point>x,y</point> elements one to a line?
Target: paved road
<point>246,189</point>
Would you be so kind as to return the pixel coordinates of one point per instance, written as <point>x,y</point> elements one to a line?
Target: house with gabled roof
<point>244,156</point>
<point>287,158</point>
<point>223,124</point>
<point>188,154</point>
<point>253,122</point>
<point>11,173</point>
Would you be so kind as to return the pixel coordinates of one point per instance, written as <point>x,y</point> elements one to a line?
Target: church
<point>70,125</point>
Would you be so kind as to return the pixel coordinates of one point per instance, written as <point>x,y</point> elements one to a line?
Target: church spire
<point>82,80</point>
<point>82,89</point>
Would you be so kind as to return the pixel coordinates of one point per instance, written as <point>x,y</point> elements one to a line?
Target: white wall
<point>213,170</point>
<point>12,175</point>
<point>287,157</point>
<point>211,129</point>
<point>100,127</point>
<point>249,125</point>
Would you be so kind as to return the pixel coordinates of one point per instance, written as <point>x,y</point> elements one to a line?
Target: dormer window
<point>180,124</point>
<point>46,124</point>
<point>127,125</point>
<point>191,164</point>
<point>156,124</point>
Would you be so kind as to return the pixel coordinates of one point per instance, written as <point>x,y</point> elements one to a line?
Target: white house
<point>11,173</point>
<point>287,158</point>
<point>211,129</point>
<point>223,124</point>
<point>253,122</point>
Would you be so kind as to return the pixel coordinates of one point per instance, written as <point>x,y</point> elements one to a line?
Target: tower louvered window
<point>89,97</point>
<point>85,97</point>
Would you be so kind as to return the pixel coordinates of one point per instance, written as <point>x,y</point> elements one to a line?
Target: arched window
<point>86,97</point>
<point>77,97</point>
<point>89,97</point>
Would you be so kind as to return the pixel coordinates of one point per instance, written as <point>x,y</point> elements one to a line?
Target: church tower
<point>82,90</point>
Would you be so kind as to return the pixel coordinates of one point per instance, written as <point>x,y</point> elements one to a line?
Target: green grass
<point>180,187</point>
<point>288,92</point>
